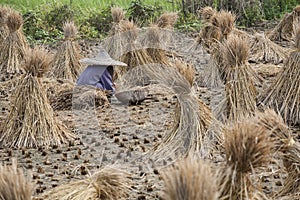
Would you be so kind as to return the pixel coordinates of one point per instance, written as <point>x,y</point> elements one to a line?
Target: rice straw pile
<point>193,116</point>
<point>191,179</point>
<point>263,50</point>
<point>108,183</point>
<point>13,184</point>
<point>240,89</point>
<point>286,27</point>
<point>31,121</point>
<point>247,148</point>
<point>283,95</point>
<point>13,47</point>
<point>66,63</point>
<point>114,44</point>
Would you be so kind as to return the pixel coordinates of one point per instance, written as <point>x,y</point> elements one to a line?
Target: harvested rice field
<point>195,116</point>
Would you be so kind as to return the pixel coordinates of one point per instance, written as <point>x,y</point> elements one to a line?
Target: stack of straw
<point>66,63</point>
<point>247,148</point>
<point>13,47</point>
<point>240,89</point>
<point>283,95</point>
<point>31,121</point>
<point>191,179</point>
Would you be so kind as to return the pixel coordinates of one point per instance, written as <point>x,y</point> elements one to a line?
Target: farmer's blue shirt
<point>98,76</point>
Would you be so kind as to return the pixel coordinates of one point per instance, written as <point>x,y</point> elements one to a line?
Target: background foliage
<point>43,19</point>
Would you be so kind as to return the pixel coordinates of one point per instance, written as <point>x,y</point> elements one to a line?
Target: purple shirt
<point>98,76</point>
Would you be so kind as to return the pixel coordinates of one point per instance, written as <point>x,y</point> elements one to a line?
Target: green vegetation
<point>43,19</point>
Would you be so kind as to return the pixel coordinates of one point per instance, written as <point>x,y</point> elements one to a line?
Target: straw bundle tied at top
<point>283,95</point>
<point>193,117</point>
<point>240,90</point>
<point>13,47</point>
<point>66,63</point>
<point>108,183</point>
<point>13,183</point>
<point>247,148</point>
<point>191,179</point>
<point>31,121</point>
<point>4,12</point>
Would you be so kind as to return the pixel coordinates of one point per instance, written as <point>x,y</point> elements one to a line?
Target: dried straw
<point>13,184</point>
<point>187,70</point>
<point>225,21</point>
<point>191,179</point>
<point>31,121</point>
<point>66,63</point>
<point>13,47</point>
<point>286,27</point>
<point>247,148</point>
<point>265,51</point>
<point>167,20</point>
<point>206,13</point>
<point>108,183</point>
<point>193,116</point>
<point>283,95</point>
<point>240,89</point>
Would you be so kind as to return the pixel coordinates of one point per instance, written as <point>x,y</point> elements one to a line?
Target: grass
<point>23,5</point>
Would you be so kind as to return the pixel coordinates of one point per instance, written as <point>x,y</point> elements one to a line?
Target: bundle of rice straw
<point>247,148</point>
<point>267,70</point>
<point>114,44</point>
<point>13,47</point>
<point>262,49</point>
<point>240,89</point>
<point>286,27</point>
<point>193,116</point>
<point>13,184</point>
<point>218,29</point>
<point>66,63</point>
<point>288,149</point>
<point>135,55</point>
<point>191,179</point>
<point>283,95</point>
<point>167,20</point>
<point>31,121</point>
<point>108,183</point>
<point>206,13</point>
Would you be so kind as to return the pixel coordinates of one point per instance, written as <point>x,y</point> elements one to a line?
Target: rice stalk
<point>31,121</point>
<point>13,183</point>
<point>13,47</point>
<point>66,63</point>
<point>283,95</point>
<point>117,14</point>
<point>108,183</point>
<point>191,179</point>
<point>4,12</point>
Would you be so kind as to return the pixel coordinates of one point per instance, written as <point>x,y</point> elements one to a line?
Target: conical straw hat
<point>102,58</point>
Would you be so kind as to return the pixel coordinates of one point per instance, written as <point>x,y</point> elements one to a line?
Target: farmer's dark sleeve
<point>106,82</point>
